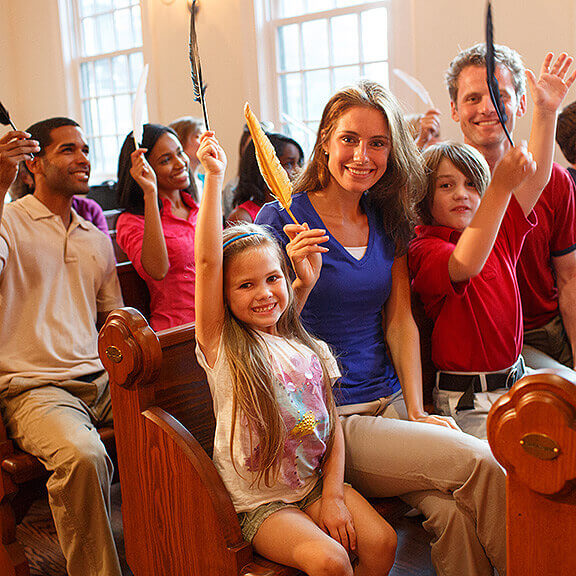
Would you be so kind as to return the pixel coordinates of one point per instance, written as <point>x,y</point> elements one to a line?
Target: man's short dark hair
<point>566,132</point>
<point>42,131</point>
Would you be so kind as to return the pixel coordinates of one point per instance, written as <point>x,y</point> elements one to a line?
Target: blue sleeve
<point>275,218</point>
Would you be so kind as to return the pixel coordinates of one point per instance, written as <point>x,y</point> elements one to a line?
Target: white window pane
<point>315,41</point>
<point>89,37</point>
<point>102,5</point>
<point>291,95</point>
<point>111,153</point>
<point>105,34</point>
<point>124,114</point>
<point>375,34</point>
<point>85,7</point>
<point>123,23</point>
<point>87,84</point>
<point>136,65</point>
<point>120,74</point>
<point>346,76</point>
<point>104,84</point>
<point>319,5</point>
<point>95,116</point>
<point>87,118</point>
<point>107,116</point>
<point>318,92</point>
<point>345,40</point>
<point>379,72</point>
<point>289,48</point>
<point>137,26</point>
<point>290,8</point>
<point>123,3</point>
<point>344,3</point>
<point>95,154</point>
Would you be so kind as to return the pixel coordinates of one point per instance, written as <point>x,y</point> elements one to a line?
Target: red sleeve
<point>130,235</point>
<point>564,231</point>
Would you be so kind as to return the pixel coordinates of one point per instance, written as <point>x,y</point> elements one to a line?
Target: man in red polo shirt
<point>547,266</point>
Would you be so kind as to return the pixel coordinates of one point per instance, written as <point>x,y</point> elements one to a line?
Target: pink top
<point>172,301</point>
<point>251,207</point>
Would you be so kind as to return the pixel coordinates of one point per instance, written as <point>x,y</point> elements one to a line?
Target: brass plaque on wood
<point>114,354</point>
<point>540,446</point>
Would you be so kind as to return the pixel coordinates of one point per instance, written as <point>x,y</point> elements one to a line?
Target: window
<point>107,59</point>
<point>321,46</point>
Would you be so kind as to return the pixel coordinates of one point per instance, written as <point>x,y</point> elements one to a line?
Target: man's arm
<point>15,147</point>
<point>565,267</point>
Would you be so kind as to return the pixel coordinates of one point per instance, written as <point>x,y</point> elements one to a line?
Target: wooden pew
<point>23,477</point>
<point>532,432</point>
<point>177,515</point>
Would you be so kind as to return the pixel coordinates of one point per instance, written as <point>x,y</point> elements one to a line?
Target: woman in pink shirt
<point>156,229</point>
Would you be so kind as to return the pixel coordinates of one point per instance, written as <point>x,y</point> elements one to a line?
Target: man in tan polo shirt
<point>57,283</point>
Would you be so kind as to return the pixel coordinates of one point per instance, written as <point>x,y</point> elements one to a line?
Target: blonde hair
<point>253,379</point>
<point>402,185</point>
<point>465,159</point>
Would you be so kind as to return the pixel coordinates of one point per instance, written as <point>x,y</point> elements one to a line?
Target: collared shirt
<point>555,235</point>
<point>477,323</point>
<point>53,282</point>
<point>172,300</point>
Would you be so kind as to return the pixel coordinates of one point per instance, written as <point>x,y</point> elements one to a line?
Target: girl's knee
<point>378,548</point>
<point>329,560</point>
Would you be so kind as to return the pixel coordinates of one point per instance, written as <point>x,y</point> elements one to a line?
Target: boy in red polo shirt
<point>464,257</point>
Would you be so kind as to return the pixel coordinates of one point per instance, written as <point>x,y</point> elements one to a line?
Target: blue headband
<point>240,236</point>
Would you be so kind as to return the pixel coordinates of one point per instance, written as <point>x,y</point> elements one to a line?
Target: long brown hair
<point>253,378</point>
<point>401,186</point>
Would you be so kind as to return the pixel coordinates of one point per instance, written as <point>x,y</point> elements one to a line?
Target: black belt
<point>470,384</point>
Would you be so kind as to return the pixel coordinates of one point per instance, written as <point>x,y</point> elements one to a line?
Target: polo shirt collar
<point>443,232</point>
<point>39,211</point>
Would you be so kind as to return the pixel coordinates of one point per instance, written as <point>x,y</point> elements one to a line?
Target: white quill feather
<point>416,86</point>
<point>137,108</point>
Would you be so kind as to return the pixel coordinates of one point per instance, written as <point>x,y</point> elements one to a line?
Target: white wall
<point>32,68</point>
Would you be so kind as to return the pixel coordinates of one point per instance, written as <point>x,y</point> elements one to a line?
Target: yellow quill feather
<point>272,171</point>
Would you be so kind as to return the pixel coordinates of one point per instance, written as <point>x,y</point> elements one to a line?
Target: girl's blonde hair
<point>401,186</point>
<point>253,379</point>
<point>465,158</point>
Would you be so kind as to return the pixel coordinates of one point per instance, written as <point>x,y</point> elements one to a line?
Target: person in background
<point>57,284</point>
<point>566,136</point>
<point>189,129</point>
<point>156,229</point>
<point>425,128</point>
<point>252,193</point>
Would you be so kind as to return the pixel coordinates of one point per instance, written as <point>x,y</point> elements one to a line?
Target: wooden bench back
<point>177,515</point>
<point>532,433</point>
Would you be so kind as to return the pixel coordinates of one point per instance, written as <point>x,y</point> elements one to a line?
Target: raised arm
<point>208,250</point>
<point>477,240</point>
<point>154,255</point>
<point>547,93</point>
<point>404,344</point>
<point>15,147</point>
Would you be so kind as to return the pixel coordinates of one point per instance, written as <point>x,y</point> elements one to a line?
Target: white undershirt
<point>356,251</point>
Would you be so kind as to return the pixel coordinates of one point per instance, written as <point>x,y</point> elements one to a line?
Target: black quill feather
<point>5,117</point>
<point>491,80</point>
<point>195,66</point>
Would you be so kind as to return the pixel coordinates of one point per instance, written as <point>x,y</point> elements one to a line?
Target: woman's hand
<point>335,519</point>
<point>143,173</point>
<point>305,252</point>
<point>446,421</point>
<point>211,155</point>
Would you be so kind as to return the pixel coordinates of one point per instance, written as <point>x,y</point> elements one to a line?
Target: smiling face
<point>64,167</point>
<point>255,288</point>
<point>476,113</point>
<point>358,149</point>
<point>290,160</point>
<point>170,163</point>
<point>456,198</point>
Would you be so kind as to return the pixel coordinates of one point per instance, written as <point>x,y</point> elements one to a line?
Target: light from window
<point>322,46</point>
<point>111,61</point>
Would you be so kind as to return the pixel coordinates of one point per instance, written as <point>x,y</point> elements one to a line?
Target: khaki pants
<point>57,424</point>
<point>450,476</point>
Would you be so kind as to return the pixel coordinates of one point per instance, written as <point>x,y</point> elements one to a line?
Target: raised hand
<point>429,128</point>
<point>514,168</point>
<point>15,147</point>
<point>143,173</point>
<point>305,252</point>
<point>211,155</point>
<point>549,90</point>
